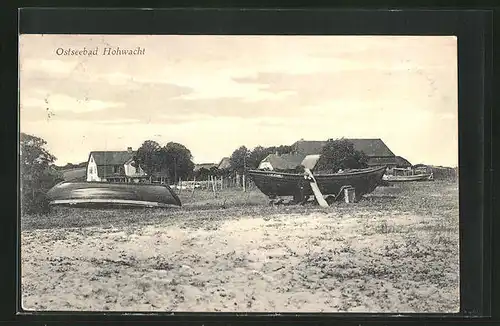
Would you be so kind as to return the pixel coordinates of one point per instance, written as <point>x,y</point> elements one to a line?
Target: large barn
<point>377,151</point>
<point>307,153</point>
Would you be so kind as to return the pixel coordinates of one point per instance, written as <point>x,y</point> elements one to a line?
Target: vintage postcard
<point>239,173</point>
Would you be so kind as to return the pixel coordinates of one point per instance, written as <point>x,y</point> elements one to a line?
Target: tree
<point>257,155</point>
<point>37,174</point>
<point>178,160</point>
<point>148,157</point>
<point>215,171</point>
<point>283,149</point>
<point>174,159</point>
<point>239,160</point>
<point>340,154</point>
<point>202,174</point>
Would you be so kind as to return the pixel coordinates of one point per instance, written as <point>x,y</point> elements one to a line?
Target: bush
<point>34,189</point>
<point>37,174</point>
<point>37,203</point>
<point>340,154</point>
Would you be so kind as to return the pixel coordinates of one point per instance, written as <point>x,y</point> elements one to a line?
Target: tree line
<point>173,161</point>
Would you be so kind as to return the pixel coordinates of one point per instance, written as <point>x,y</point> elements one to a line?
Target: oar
<point>314,186</point>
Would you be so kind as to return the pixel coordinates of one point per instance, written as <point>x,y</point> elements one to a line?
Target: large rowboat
<point>280,184</point>
<point>112,194</point>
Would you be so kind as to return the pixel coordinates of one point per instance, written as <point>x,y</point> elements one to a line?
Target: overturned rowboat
<point>281,184</point>
<point>112,194</point>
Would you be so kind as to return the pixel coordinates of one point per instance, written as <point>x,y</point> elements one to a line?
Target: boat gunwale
<point>104,184</point>
<point>413,175</point>
<point>115,183</point>
<point>408,178</point>
<point>364,171</point>
<point>126,202</point>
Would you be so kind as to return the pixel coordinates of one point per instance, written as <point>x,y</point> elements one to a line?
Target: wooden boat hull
<point>408,178</point>
<point>275,184</point>
<point>112,194</point>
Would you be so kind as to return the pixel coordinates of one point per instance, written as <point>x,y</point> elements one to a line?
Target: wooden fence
<point>213,184</point>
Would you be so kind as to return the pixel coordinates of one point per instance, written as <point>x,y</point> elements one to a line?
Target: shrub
<point>340,154</point>
<point>37,174</point>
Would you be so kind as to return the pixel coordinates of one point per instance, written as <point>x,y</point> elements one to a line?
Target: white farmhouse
<point>114,166</point>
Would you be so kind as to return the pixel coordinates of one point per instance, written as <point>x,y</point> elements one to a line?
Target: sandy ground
<point>379,255</point>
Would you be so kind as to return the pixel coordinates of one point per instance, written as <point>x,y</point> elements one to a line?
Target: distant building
<point>377,151</point>
<point>310,161</point>
<point>402,162</point>
<point>307,153</point>
<point>281,162</point>
<point>206,166</point>
<point>224,164</point>
<point>114,166</point>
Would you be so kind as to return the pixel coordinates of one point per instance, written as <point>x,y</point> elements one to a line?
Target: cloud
<point>222,85</point>
<point>214,93</point>
<point>51,66</point>
<point>115,78</point>
<point>61,103</point>
<point>118,121</point>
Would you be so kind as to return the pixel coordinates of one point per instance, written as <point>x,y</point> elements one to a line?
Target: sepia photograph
<point>239,173</point>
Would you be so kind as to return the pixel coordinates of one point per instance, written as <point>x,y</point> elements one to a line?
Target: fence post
<point>213,186</point>
<point>194,186</point>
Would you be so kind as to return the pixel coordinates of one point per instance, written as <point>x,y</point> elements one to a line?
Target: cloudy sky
<point>215,93</point>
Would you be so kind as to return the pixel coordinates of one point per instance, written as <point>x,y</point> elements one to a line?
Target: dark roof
<point>402,162</point>
<point>207,166</point>
<point>371,147</point>
<point>225,163</point>
<point>285,161</point>
<point>308,147</point>
<point>379,161</point>
<point>112,157</point>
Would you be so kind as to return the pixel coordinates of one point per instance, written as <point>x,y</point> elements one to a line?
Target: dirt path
<point>333,260</point>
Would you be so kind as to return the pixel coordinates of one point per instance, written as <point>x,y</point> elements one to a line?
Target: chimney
<point>129,149</point>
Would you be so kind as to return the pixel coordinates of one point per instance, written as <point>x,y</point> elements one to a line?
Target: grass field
<point>395,251</point>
